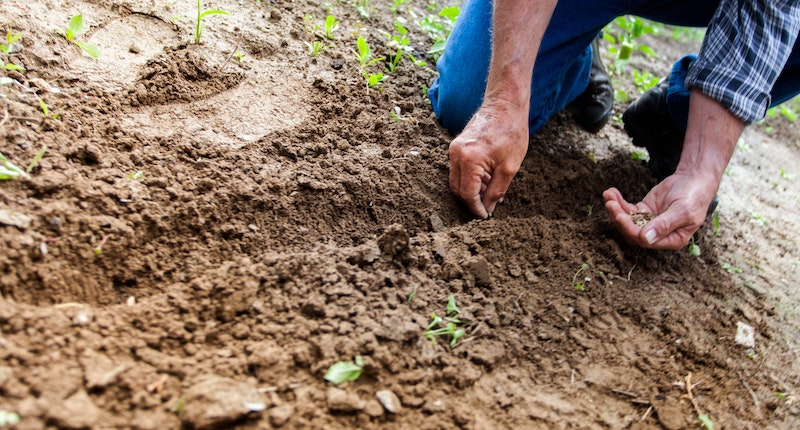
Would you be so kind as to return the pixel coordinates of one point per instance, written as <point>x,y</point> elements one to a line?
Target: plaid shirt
<point>745,49</point>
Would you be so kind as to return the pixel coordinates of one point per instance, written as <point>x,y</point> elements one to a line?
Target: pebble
<point>280,415</point>
<point>341,401</point>
<point>214,401</point>
<point>745,335</point>
<point>16,219</point>
<point>389,400</point>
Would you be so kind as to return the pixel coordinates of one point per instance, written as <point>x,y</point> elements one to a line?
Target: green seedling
<point>693,249</point>
<point>8,418</point>
<point>331,24</point>
<point>364,53</point>
<point>98,250</point>
<point>198,28</point>
<point>342,371</point>
<point>622,34</point>
<point>395,7</point>
<point>75,28</point>
<point>412,295</point>
<point>707,423</point>
<point>580,285</point>
<point>451,329</point>
<point>9,170</point>
<point>315,48</point>
<point>177,409</point>
<point>362,7</point>
<point>7,48</point>
<point>715,223</point>
<point>136,176</point>
<point>644,80</point>
<point>11,38</point>
<point>451,308</point>
<point>639,155</point>
<point>438,28</point>
<point>46,110</point>
<point>373,78</point>
<point>731,269</point>
<point>36,159</point>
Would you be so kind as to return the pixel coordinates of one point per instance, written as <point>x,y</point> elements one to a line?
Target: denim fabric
<point>563,62</point>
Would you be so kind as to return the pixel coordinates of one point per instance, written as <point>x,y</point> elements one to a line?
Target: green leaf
<point>75,27</point>
<point>451,306</point>
<point>12,66</point>
<point>363,50</point>
<point>36,159</point>
<point>437,47</point>
<point>91,50</point>
<point>342,371</point>
<point>647,50</point>
<point>707,423</point>
<point>450,13</point>
<point>8,170</point>
<point>213,12</point>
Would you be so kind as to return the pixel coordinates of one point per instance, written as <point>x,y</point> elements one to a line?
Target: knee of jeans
<point>453,106</point>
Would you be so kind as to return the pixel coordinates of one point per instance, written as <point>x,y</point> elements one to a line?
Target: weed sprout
<point>198,28</point>
<point>76,28</point>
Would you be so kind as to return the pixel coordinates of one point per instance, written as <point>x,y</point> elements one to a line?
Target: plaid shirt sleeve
<point>746,47</point>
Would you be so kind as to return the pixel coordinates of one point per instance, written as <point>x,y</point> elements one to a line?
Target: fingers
<point>469,183</point>
<point>497,188</point>
<point>671,229</point>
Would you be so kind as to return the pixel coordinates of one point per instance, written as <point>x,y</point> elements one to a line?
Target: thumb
<point>666,231</point>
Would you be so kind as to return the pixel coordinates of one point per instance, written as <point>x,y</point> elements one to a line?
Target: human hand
<point>485,157</point>
<point>680,203</point>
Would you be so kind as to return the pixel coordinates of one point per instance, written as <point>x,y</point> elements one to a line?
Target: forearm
<point>710,139</point>
<point>519,26</point>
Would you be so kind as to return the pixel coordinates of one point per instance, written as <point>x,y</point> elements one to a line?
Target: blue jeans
<point>564,60</point>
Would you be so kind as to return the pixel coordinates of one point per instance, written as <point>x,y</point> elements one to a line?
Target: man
<point>508,67</point>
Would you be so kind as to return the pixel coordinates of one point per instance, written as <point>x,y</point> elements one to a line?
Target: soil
<point>205,236</point>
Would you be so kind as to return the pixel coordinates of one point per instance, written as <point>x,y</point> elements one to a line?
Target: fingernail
<point>501,200</point>
<point>650,235</point>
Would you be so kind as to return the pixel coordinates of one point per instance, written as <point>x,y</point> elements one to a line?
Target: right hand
<point>485,157</point>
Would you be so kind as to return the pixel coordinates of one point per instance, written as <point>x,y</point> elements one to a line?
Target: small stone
<point>341,401</point>
<point>437,225</point>
<point>215,401</point>
<point>280,415</point>
<point>745,335</point>
<point>479,268</point>
<point>76,412</point>
<point>83,316</point>
<point>16,219</point>
<point>373,408</point>
<point>389,400</point>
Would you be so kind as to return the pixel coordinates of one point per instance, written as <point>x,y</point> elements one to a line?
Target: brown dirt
<point>282,220</point>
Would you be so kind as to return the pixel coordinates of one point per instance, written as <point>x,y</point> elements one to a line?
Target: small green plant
<point>8,418</point>
<point>395,7</point>
<point>177,408</point>
<point>198,27</point>
<point>731,269</point>
<point>364,53</point>
<point>644,80</point>
<point>331,24</point>
<point>452,326</point>
<point>438,28</point>
<point>579,285</point>
<point>342,371</point>
<point>315,47</point>
<point>373,78</point>
<point>136,176</point>
<point>693,249</point>
<point>639,155</point>
<point>412,295</point>
<point>7,48</point>
<point>9,170</point>
<point>76,28</point>
<point>715,223</point>
<point>46,110</point>
<point>622,33</point>
<point>362,7</point>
